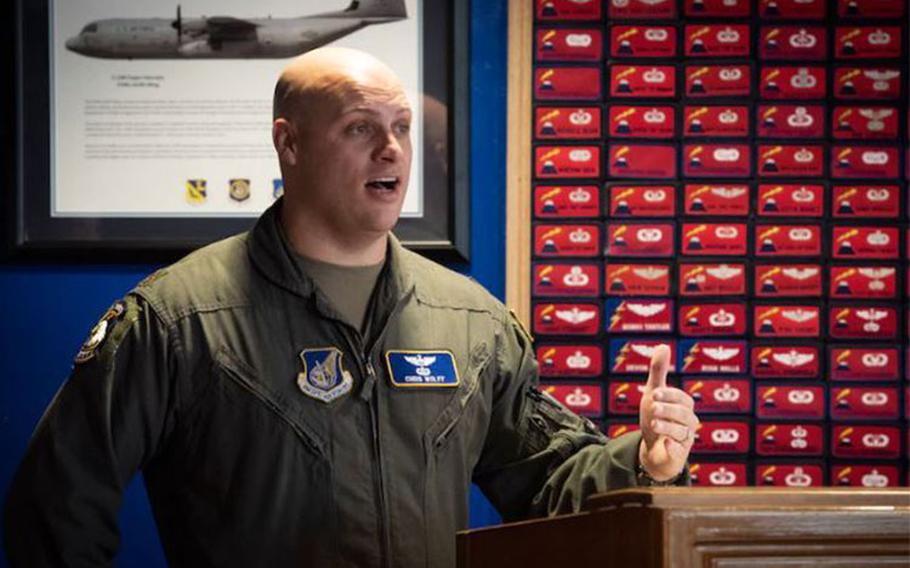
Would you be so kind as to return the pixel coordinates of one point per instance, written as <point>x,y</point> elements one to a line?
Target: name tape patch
<point>422,368</point>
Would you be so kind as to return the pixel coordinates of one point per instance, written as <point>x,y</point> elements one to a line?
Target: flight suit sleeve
<point>540,458</point>
<point>102,426</point>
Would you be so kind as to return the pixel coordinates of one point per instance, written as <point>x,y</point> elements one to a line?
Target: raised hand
<point>668,422</point>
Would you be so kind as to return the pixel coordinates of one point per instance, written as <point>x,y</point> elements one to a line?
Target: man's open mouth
<point>383,183</point>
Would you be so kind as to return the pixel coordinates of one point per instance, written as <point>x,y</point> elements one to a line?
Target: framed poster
<point>138,130</point>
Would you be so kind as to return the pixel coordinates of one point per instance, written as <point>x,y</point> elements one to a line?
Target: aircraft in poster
<point>226,37</point>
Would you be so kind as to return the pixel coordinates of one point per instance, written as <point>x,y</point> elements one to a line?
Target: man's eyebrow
<point>372,111</point>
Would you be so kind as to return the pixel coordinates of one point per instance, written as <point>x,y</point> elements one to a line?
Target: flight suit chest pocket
<point>233,374</point>
<point>451,419</point>
<point>245,450</point>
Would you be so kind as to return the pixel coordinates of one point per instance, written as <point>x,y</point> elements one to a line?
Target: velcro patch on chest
<point>417,368</point>
<point>324,377</point>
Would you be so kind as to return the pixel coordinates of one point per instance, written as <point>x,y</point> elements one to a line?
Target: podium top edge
<point>682,497</point>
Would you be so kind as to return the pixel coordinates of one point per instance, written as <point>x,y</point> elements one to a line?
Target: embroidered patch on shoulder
<point>416,368</point>
<point>324,377</point>
<point>99,332</point>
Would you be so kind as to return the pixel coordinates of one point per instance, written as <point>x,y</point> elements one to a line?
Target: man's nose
<point>390,149</point>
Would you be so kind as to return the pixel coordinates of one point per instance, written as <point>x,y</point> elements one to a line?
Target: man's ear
<point>284,138</point>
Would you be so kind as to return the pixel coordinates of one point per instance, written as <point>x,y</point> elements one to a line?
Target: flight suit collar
<point>271,254</point>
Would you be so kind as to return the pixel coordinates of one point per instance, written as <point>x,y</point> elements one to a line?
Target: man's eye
<point>359,128</point>
<point>403,128</point>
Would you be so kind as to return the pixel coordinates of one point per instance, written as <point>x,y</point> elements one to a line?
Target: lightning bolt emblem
<point>690,357</point>
<point>621,357</point>
<point>614,319</point>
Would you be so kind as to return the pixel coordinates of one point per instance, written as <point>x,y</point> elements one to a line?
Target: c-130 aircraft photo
<point>228,37</point>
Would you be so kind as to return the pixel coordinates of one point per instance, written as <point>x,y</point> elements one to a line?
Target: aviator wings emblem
<point>646,310</point>
<point>721,353</point>
<point>793,358</point>
<point>575,315</point>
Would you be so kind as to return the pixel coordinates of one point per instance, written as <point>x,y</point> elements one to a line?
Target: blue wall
<point>46,311</point>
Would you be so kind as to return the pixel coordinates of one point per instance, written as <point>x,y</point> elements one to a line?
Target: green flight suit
<point>195,383</point>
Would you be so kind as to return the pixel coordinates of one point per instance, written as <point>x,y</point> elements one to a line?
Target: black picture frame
<point>443,232</point>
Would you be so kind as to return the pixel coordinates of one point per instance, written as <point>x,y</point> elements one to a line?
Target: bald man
<point>312,394</point>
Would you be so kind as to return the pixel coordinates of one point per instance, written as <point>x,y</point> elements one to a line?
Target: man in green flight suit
<point>310,392</point>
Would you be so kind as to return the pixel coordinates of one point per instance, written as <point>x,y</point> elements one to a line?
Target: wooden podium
<point>755,527</point>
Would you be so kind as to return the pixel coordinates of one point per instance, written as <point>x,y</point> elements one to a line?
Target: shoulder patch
<point>106,329</point>
<point>99,332</point>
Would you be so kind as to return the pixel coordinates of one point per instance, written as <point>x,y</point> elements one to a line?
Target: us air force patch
<point>99,332</point>
<point>323,376</point>
<point>422,368</point>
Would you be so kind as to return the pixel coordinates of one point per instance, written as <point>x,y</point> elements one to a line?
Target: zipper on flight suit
<point>357,344</point>
<point>374,414</point>
<point>369,373</point>
<point>473,384</point>
<point>441,438</point>
<point>365,361</point>
<point>377,455</point>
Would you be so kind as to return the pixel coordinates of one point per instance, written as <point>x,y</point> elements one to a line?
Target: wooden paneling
<point>518,161</point>
<point>675,497</point>
<point>707,527</point>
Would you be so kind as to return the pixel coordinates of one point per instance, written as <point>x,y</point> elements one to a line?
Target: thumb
<point>660,363</point>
